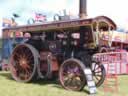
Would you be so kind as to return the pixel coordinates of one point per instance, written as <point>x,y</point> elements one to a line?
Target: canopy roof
<point>62,24</point>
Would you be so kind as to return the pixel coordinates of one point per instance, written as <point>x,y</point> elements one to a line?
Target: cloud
<point>115,9</point>
<point>26,8</point>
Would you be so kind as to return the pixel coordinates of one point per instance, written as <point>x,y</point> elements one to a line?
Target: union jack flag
<point>40,17</point>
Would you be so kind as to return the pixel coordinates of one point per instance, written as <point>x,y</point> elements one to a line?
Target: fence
<point>119,58</point>
<point>111,62</point>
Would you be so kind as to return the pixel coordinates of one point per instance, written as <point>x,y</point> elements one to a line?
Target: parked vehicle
<point>60,49</point>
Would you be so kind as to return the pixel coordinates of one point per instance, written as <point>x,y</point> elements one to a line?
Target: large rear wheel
<point>71,75</point>
<point>23,63</point>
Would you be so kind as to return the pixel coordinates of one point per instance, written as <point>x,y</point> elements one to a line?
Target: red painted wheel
<point>23,63</point>
<point>71,75</point>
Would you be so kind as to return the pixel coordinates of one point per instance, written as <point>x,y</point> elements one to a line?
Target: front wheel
<point>71,75</point>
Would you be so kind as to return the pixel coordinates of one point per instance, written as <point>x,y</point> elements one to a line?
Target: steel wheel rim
<point>23,63</point>
<point>70,78</point>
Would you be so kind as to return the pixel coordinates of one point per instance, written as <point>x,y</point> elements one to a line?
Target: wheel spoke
<point>98,75</point>
<point>94,66</point>
<point>97,78</point>
<point>68,82</point>
<point>98,71</point>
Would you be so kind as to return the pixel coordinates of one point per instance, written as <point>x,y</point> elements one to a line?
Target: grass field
<point>9,87</point>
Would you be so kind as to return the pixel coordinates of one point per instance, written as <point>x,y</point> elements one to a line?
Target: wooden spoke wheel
<point>71,75</point>
<point>23,63</point>
<point>99,73</point>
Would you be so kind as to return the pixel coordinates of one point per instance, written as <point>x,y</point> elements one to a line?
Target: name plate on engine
<point>90,81</point>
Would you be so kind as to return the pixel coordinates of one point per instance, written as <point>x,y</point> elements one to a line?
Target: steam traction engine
<point>61,49</point>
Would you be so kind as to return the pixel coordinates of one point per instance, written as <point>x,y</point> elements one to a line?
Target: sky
<point>114,9</point>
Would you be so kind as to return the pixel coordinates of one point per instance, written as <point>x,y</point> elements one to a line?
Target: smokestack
<point>83,9</point>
